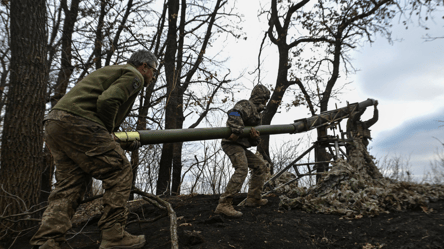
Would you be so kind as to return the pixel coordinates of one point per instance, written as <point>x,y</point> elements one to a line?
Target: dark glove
<point>233,137</point>
<point>133,146</point>
<point>254,134</point>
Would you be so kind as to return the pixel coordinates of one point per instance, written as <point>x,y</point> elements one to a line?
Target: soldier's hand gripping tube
<point>131,146</point>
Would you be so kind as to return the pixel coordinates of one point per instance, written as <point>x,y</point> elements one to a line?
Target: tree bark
<point>141,125</point>
<point>175,61</point>
<point>99,36</point>
<point>64,76</point>
<point>122,25</point>
<point>22,140</point>
<point>66,55</point>
<point>177,169</point>
<point>47,173</point>
<point>172,79</point>
<point>282,85</point>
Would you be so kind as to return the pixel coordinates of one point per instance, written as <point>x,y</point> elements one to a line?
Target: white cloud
<point>408,70</point>
<point>415,139</point>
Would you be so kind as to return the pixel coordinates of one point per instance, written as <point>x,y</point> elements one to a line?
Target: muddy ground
<point>271,227</point>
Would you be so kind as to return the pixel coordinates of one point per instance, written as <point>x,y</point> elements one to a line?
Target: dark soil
<point>270,227</point>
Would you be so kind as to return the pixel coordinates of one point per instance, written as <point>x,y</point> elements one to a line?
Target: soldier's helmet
<point>259,94</point>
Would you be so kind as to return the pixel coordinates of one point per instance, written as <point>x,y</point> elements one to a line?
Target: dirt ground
<point>270,227</point>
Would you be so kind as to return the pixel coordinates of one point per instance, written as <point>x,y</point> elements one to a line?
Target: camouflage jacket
<point>358,128</point>
<point>105,96</point>
<point>247,113</point>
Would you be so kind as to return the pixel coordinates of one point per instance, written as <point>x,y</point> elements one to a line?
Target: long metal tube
<point>183,135</point>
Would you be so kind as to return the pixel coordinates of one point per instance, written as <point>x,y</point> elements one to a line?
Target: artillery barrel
<point>183,135</point>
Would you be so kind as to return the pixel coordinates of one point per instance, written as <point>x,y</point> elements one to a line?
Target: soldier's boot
<point>116,237</point>
<point>251,202</point>
<point>226,207</point>
<point>49,244</point>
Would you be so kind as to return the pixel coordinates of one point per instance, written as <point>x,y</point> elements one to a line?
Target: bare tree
<point>66,53</point>
<point>395,167</point>
<point>329,30</point>
<point>22,138</point>
<point>424,11</point>
<point>190,30</point>
<point>436,175</point>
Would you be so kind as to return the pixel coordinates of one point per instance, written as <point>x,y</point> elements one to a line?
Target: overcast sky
<point>408,80</point>
<point>406,77</point>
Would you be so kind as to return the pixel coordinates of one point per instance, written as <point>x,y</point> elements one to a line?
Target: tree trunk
<point>99,36</point>
<point>174,62</point>
<point>177,169</point>
<point>164,178</point>
<point>22,140</point>
<point>171,152</point>
<point>47,173</point>
<point>282,85</point>
<point>172,82</point>
<point>66,55</point>
<point>64,76</point>
<point>141,125</point>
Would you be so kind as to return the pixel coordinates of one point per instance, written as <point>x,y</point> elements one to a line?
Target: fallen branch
<point>155,203</point>
<point>171,213</point>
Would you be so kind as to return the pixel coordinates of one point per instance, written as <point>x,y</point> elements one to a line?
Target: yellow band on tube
<point>127,136</point>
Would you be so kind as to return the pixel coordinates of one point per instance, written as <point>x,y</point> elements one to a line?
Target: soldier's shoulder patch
<point>136,83</point>
<point>234,113</point>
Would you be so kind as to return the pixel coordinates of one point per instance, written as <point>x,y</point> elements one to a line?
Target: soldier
<point>359,129</point>
<point>78,132</point>
<point>244,113</point>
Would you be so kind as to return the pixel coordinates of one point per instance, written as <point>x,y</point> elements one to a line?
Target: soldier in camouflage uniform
<point>78,132</point>
<point>244,113</point>
<point>360,129</point>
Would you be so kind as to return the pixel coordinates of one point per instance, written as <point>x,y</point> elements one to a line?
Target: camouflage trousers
<point>81,149</point>
<point>242,159</point>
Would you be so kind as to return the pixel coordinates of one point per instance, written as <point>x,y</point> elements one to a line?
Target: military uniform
<point>245,113</point>
<point>360,129</point>
<point>77,132</point>
<point>104,96</point>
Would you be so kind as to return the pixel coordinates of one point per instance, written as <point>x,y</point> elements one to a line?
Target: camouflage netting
<point>356,188</point>
<point>279,182</point>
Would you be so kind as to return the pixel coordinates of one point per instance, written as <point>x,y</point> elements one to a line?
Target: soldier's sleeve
<point>356,115</point>
<point>373,120</point>
<point>236,118</point>
<point>353,119</point>
<point>112,98</point>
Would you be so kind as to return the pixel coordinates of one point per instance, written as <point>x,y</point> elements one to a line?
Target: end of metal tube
<point>127,136</point>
